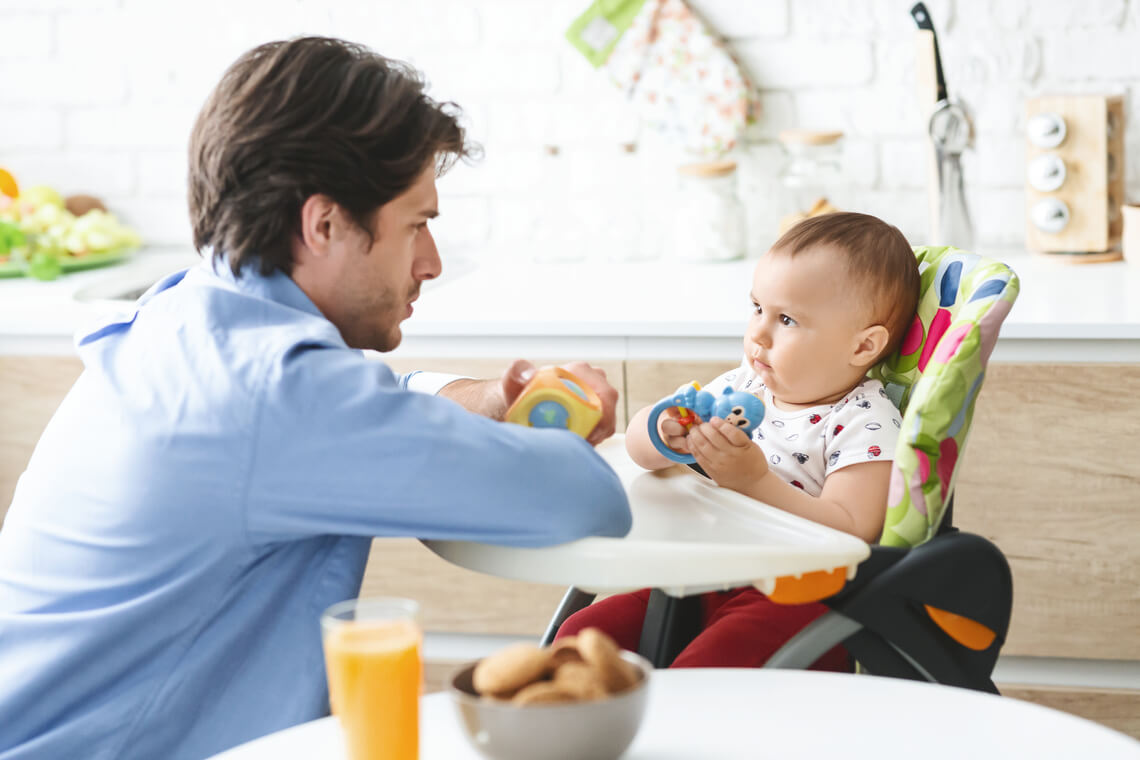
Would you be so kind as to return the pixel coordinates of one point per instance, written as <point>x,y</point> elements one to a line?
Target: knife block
<point>1075,184</point>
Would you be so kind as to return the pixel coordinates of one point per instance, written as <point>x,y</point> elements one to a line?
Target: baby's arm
<point>642,450</point>
<point>853,500</point>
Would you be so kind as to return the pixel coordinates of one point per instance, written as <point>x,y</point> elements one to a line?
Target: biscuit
<point>510,669</point>
<point>600,651</point>
<point>542,692</point>
<point>580,679</point>
<point>562,651</point>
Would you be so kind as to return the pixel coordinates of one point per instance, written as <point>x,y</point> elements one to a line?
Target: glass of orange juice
<point>375,668</point>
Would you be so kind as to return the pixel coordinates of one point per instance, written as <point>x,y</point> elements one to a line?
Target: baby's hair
<point>878,257</point>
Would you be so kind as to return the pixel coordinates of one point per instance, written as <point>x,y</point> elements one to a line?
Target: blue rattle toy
<point>742,409</point>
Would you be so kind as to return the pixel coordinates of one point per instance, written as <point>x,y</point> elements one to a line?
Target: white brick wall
<point>99,96</point>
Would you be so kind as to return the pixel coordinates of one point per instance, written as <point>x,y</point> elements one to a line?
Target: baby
<point>834,296</point>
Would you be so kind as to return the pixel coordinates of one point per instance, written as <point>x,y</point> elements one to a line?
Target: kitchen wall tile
<point>522,23</point>
<point>736,20</point>
<point>781,64</point>
<point>100,96</point>
<point>102,173</point>
<point>998,216</point>
<point>27,35</point>
<point>905,163</point>
<point>32,128</point>
<point>998,161</point>
<point>463,221</point>
<point>61,82</point>
<point>1070,55</point>
<point>161,173</point>
<point>159,221</point>
<point>137,127</point>
<point>777,113</point>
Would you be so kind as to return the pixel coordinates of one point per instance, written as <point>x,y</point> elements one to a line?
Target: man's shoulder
<point>233,312</point>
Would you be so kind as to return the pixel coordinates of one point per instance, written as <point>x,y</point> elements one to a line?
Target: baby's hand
<point>672,432</point>
<point>727,454</point>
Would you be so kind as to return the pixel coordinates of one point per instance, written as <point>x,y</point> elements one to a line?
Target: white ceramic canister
<point>708,217</point>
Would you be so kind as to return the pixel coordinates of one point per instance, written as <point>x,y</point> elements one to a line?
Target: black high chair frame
<point>938,612</point>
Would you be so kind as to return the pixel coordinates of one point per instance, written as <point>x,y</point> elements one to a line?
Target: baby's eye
<point>756,309</point>
<point>786,320</point>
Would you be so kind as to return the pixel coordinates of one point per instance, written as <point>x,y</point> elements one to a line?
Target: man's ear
<point>870,343</point>
<point>320,218</point>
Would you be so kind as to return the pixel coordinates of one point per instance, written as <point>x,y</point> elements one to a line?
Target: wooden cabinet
<point>31,388</point>
<point>1050,476</point>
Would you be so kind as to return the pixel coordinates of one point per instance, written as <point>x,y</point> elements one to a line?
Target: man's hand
<point>515,378</point>
<point>727,454</point>
<point>596,379</point>
<point>512,382</point>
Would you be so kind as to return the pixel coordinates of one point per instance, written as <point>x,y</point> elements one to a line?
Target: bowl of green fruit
<point>43,234</point>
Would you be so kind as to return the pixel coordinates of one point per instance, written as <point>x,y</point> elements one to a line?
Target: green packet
<point>597,30</point>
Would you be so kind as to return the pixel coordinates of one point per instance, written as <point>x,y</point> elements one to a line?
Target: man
<point>214,478</point>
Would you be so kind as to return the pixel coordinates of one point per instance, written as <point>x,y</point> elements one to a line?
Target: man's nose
<point>427,264</point>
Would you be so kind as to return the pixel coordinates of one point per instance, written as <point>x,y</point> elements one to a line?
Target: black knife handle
<point>922,18</point>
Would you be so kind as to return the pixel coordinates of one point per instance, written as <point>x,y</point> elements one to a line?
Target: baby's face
<point>805,327</point>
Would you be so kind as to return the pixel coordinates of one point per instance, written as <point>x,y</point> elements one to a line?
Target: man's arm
<point>341,449</point>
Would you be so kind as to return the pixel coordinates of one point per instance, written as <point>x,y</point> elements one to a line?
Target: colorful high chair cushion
<point>935,378</point>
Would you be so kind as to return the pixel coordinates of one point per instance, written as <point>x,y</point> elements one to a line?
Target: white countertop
<point>654,310</point>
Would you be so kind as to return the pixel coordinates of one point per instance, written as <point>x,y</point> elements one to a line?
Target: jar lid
<point>708,168</point>
<point>809,137</point>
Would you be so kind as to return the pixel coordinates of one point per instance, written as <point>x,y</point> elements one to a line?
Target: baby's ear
<point>870,343</point>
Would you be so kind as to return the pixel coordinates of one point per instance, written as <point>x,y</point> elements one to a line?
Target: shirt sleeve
<point>864,429</point>
<point>341,449</point>
<point>427,382</point>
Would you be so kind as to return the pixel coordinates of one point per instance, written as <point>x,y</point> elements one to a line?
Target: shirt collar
<point>277,286</point>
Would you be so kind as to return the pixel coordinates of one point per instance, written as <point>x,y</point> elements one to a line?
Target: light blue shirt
<point>210,484</point>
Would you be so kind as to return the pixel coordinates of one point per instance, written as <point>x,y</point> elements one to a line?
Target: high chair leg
<point>573,600</point>
<point>670,624</point>
<point>816,638</point>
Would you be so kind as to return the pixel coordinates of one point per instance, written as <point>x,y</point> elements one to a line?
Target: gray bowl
<point>599,730</point>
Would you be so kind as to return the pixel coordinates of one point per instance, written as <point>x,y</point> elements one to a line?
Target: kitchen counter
<point>626,310</point>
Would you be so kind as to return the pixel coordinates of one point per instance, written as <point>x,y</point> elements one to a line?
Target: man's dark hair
<point>878,259</point>
<point>313,115</point>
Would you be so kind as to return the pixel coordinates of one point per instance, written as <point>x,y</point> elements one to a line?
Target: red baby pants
<point>740,628</point>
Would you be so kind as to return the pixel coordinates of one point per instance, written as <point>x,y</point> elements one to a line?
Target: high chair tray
<point>688,536</point>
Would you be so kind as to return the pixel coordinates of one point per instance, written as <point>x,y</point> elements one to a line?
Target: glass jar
<point>812,174</point>
<point>708,218</point>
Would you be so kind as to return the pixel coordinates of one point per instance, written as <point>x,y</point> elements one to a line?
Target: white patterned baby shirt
<point>804,446</point>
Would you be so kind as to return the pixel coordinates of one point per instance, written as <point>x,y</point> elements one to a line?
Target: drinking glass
<point>375,669</point>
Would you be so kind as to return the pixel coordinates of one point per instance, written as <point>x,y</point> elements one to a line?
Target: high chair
<point>930,602</point>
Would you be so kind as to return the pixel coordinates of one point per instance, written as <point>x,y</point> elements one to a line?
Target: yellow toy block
<point>557,398</point>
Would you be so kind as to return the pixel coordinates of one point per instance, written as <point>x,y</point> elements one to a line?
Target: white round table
<point>737,713</point>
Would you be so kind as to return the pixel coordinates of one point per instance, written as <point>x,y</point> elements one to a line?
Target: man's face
<point>377,284</point>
